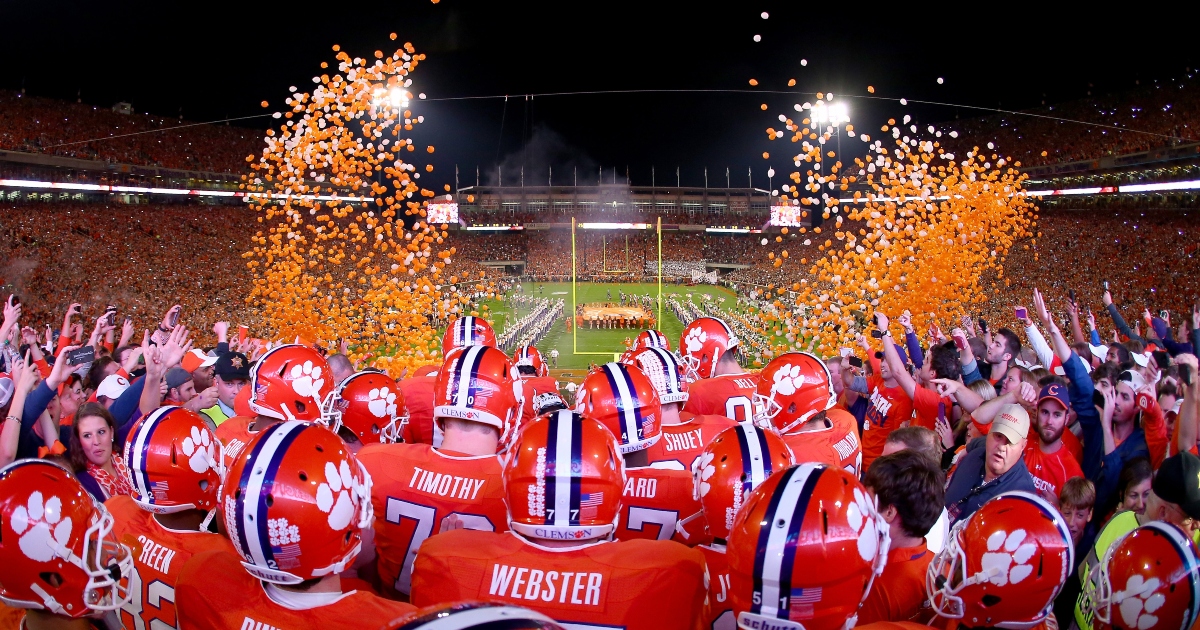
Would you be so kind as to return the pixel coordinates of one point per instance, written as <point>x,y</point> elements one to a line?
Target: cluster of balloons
<point>933,230</point>
<point>345,251</point>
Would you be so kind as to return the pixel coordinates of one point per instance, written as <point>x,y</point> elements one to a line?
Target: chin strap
<point>51,604</point>
<point>208,519</point>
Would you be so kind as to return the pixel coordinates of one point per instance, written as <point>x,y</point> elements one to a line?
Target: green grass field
<point>601,341</point>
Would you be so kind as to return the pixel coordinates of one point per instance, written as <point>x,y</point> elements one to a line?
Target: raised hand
<point>1091,319</point>
<point>1027,395</point>
<point>12,312</point>
<point>1039,304</point>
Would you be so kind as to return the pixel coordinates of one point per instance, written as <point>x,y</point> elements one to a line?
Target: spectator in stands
<point>991,468</point>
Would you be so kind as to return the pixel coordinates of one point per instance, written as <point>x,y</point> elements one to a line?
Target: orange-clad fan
<point>61,562</point>
<point>563,481</point>
<point>682,439</point>
<point>795,395</point>
<point>176,466</point>
<point>1003,566</point>
<point>622,398</point>
<point>534,381</point>
<point>1149,579</point>
<point>733,464</point>
<point>709,349</point>
<point>888,405</point>
<point>804,550</point>
<point>294,505</point>
<point>908,490</point>
<point>288,383</point>
<point>419,490</point>
<point>366,408</point>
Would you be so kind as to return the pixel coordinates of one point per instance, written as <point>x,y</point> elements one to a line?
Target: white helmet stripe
<point>754,450</point>
<point>466,369</point>
<point>258,475</point>
<point>562,469</point>
<point>774,574</point>
<point>625,391</point>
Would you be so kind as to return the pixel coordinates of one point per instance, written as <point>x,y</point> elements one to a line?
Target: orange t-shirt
<point>418,398</point>
<point>653,501</point>
<point>235,435</point>
<point>682,443</point>
<point>159,555</point>
<point>215,591</point>
<point>887,408</point>
<point>1073,445</point>
<point>925,403</point>
<point>634,584</point>
<point>416,488</point>
<point>731,396</point>
<point>899,592</point>
<point>1050,470</point>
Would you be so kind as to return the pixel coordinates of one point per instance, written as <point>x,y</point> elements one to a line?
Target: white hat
<point>112,386</point>
<point>1101,352</point>
<point>1012,422</point>
<point>1141,359</point>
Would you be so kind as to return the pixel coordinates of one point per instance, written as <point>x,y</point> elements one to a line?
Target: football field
<point>602,343</point>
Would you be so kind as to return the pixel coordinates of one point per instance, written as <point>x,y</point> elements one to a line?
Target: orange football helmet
<point>294,503</point>
<point>651,339</point>
<point>474,616</point>
<point>703,343</point>
<point>529,355</point>
<point>622,399</point>
<point>1151,577</point>
<point>801,518</point>
<point>55,545</point>
<point>176,462</point>
<point>370,405</point>
<point>467,331</point>
<point>664,372</point>
<point>290,382</point>
<point>733,464</point>
<point>478,384</point>
<point>794,387</point>
<point>1003,566</point>
<point>563,479</point>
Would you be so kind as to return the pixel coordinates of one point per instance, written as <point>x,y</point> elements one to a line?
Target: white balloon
<point>758,38</point>
<point>940,81</point>
<point>765,15</point>
<point>804,62</point>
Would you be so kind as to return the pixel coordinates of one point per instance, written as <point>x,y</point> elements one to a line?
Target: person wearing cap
<point>181,391</point>
<point>993,465</point>
<point>1049,461</point>
<point>200,366</point>
<point>110,389</point>
<point>231,372</point>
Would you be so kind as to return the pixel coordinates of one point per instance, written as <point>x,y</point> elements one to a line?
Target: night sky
<point>220,59</point>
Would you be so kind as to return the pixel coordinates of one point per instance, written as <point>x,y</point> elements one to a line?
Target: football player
<point>795,395</point>
<point>682,438</point>
<point>1150,576</point>
<point>563,481</point>
<point>288,383</point>
<point>534,380</point>
<point>419,490</point>
<point>417,390</point>
<point>474,616</point>
<point>177,468</point>
<point>61,563</point>
<point>366,408</point>
<point>804,550</point>
<point>720,386</point>
<point>655,497</point>
<point>294,505</point>
<point>729,467</point>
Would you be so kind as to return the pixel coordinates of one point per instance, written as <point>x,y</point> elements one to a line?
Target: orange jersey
<point>899,592</point>
<point>531,386</point>
<point>653,501</point>
<point>731,396</point>
<point>418,398</point>
<point>235,434</point>
<point>216,592</point>
<point>159,555</point>
<point>837,444</point>
<point>11,618</point>
<point>1051,470</point>
<point>682,443</point>
<point>416,489</point>
<point>632,584</point>
<point>720,608</point>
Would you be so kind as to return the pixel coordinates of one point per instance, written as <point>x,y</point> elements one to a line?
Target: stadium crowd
<point>41,125</point>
